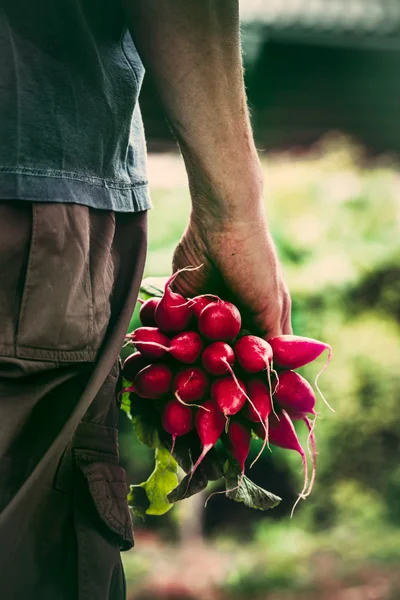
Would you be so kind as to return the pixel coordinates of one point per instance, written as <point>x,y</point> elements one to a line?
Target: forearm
<point>191,48</point>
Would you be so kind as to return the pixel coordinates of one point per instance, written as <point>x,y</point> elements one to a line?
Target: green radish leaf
<point>160,483</point>
<point>146,430</point>
<point>249,493</point>
<point>153,286</point>
<point>138,501</point>
<point>125,399</point>
<point>198,483</point>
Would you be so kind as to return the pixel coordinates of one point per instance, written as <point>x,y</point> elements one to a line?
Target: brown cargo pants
<point>69,278</point>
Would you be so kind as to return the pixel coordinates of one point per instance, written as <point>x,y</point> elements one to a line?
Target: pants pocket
<point>108,489</point>
<point>56,317</point>
<point>103,528</point>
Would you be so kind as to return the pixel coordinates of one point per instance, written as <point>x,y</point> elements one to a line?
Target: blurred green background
<point>328,133</point>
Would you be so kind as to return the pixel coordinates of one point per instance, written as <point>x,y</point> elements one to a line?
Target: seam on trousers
<point>32,248</point>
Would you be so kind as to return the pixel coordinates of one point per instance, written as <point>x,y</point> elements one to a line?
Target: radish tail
<point>154,344</point>
<point>265,443</point>
<point>172,450</point>
<point>227,420</point>
<point>328,360</point>
<point>271,393</point>
<point>141,301</point>
<point>311,438</point>
<point>302,494</point>
<point>177,396</point>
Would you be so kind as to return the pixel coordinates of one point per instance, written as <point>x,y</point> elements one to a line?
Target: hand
<point>240,264</point>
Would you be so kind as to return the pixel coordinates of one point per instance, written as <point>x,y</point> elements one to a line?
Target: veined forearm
<point>191,48</point>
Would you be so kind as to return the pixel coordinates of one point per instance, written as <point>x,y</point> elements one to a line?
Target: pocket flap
<point>108,488</point>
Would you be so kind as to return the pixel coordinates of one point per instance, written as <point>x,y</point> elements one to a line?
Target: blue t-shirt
<point>70,123</point>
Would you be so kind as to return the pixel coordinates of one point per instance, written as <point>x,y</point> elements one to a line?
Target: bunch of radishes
<point>193,365</point>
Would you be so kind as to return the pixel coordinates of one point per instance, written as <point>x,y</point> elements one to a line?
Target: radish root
<point>328,360</point>
<point>177,396</point>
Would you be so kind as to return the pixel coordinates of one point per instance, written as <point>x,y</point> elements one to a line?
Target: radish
<point>173,312</point>
<point>253,353</point>
<point>283,434</point>
<point>232,395</point>
<point>132,365</point>
<point>238,441</point>
<point>295,395</point>
<point>190,385</point>
<point>147,310</point>
<point>177,419</point>
<point>186,347</point>
<point>293,352</point>
<point>220,321</point>
<point>229,397</point>
<point>150,342</point>
<point>153,381</point>
<point>200,302</point>
<point>239,438</point>
<point>258,392</point>
<point>215,357</point>
<point>259,409</point>
<point>209,425</point>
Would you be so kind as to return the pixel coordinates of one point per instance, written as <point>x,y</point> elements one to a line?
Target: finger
<point>287,325</point>
<point>287,315</point>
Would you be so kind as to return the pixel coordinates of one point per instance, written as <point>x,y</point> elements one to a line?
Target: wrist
<point>230,191</point>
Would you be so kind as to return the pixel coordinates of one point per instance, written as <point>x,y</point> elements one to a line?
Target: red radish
<point>253,353</point>
<point>132,365</point>
<point>186,347</point>
<point>150,342</point>
<point>220,321</point>
<point>259,394</point>
<point>295,395</point>
<point>200,302</point>
<point>190,385</point>
<point>153,381</point>
<point>177,419</point>
<point>209,425</point>
<point>283,434</point>
<point>239,438</point>
<point>215,357</point>
<point>238,441</point>
<point>229,397</point>
<point>240,389</point>
<point>260,407</point>
<point>293,352</point>
<point>147,310</point>
<point>173,312</point>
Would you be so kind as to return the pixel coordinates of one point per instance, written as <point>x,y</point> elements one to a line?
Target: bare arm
<point>191,48</point>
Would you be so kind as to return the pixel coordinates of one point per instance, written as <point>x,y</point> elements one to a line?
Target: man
<point>73,202</point>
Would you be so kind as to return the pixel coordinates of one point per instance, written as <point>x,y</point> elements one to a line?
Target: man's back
<point>69,78</point>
